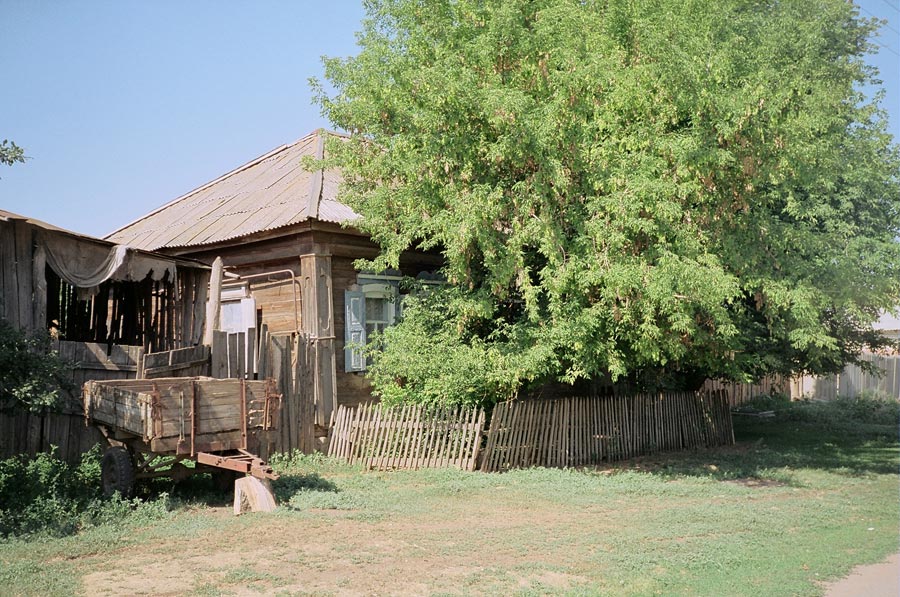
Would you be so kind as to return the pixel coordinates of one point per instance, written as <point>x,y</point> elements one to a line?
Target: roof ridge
<point>316,178</point>
<point>237,170</point>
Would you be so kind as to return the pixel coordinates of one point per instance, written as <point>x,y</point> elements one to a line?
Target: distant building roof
<point>270,192</point>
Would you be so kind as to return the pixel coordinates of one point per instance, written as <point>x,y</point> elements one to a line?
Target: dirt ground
<point>275,555</point>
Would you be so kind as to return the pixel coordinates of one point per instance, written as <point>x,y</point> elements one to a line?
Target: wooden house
<point>279,225</point>
<point>105,306</point>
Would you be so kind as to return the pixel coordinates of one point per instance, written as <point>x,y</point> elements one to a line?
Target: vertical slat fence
<point>407,437</point>
<point>569,432</point>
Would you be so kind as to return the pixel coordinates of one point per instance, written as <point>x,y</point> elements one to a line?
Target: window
<point>368,310</point>
<point>371,305</point>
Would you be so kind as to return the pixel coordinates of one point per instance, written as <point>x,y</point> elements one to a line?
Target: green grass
<point>802,499</point>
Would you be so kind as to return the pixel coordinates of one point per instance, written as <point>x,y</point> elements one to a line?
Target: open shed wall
<point>94,350</point>
<point>17,274</point>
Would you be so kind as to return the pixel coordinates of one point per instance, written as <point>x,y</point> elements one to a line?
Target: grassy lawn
<point>800,500</point>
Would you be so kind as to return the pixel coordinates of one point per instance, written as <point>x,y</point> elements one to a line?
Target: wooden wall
<point>178,322</point>
<point>27,433</point>
<point>275,298</point>
<point>352,388</point>
<point>282,249</point>
<point>16,274</point>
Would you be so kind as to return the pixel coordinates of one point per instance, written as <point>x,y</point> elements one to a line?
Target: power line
<point>876,16</point>
<point>889,49</point>
<point>891,5</point>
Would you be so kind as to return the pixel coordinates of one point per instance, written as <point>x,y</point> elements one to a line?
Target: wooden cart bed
<point>183,415</point>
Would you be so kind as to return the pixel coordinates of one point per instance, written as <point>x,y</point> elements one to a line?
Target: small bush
<point>867,408</point>
<point>31,375</point>
<point>42,495</point>
<point>765,402</point>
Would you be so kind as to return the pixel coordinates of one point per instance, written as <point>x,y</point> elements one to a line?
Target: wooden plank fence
<point>181,362</point>
<point>289,361</point>
<point>739,393</point>
<point>568,432</point>
<point>853,381</point>
<point>409,437</point>
<point>30,433</point>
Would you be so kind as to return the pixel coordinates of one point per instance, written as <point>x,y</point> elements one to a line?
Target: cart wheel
<point>117,472</point>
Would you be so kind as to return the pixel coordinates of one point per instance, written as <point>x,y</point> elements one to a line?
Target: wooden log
<point>213,304</point>
<point>233,356</point>
<point>39,292</point>
<point>9,297</point>
<point>262,363</point>
<point>251,366</point>
<point>253,495</point>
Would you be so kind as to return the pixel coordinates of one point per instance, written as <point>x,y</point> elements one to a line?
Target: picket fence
<point>408,437</point>
<point>562,432</point>
<point>570,432</point>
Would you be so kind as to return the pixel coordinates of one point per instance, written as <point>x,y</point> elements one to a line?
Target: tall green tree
<point>627,188</point>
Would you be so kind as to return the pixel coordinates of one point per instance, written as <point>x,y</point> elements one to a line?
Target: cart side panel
<point>206,442</point>
<point>168,412</point>
<point>118,408</point>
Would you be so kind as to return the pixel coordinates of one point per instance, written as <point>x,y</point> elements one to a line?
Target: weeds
<point>44,496</point>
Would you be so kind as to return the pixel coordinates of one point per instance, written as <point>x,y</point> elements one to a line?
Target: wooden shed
<point>105,306</point>
<point>280,226</point>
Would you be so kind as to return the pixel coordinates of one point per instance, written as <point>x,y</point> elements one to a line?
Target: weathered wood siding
<point>26,433</point>
<point>277,250</point>
<point>352,388</point>
<point>275,299</point>
<point>16,273</point>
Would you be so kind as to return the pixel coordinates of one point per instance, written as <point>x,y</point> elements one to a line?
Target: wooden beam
<point>24,263</point>
<point>39,283</point>
<point>214,302</point>
<point>317,320</point>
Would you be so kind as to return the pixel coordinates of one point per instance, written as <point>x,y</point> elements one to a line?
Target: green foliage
<point>630,186</point>
<point>428,359</point>
<point>842,412</point>
<point>10,153</point>
<point>31,375</point>
<point>44,496</point>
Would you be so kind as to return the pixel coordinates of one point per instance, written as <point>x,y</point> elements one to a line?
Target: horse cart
<point>155,425</point>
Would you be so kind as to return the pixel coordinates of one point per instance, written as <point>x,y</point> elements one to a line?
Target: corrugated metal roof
<point>8,216</point>
<point>270,192</point>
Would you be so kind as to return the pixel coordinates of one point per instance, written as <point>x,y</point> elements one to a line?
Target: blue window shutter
<point>354,330</point>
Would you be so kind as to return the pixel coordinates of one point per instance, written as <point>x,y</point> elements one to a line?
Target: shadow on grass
<point>288,485</point>
<point>205,490</point>
<point>765,448</point>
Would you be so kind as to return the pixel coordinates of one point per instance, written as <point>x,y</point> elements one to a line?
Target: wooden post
<point>24,263</point>
<point>214,301</point>
<point>317,320</point>
<point>39,282</point>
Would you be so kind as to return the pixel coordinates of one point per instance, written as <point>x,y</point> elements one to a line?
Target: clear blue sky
<point>124,105</point>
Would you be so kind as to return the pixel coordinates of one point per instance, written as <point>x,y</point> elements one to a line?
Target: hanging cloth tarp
<point>86,265</point>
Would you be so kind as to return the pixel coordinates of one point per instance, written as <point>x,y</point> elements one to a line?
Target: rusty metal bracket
<point>243,462</point>
<point>193,415</point>
<point>243,414</point>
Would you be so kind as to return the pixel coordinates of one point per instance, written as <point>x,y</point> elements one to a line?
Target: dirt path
<point>873,580</point>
